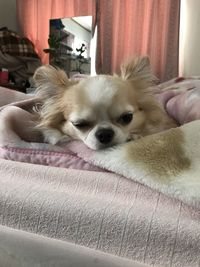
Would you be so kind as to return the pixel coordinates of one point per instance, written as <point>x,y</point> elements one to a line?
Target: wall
<point>8,15</point>
<point>190,38</point>
<point>76,29</point>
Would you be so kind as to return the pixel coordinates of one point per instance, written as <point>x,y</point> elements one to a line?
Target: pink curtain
<point>138,27</point>
<point>34,16</point>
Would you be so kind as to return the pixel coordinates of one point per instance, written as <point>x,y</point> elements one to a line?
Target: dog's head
<point>102,110</point>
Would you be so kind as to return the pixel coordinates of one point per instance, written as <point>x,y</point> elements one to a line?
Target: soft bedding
<point>22,249</point>
<point>167,161</point>
<point>180,98</point>
<point>102,211</point>
<point>90,201</point>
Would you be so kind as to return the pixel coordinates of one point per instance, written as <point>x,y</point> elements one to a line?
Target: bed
<point>94,206</point>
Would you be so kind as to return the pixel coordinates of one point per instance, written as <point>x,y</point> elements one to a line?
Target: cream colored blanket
<point>168,162</point>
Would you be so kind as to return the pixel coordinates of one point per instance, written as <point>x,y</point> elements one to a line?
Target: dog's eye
<point>81,124</point>
<point>125,118</point>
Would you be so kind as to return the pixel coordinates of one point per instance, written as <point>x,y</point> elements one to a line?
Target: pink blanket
<point>99,208</point>
<point>180,98</point>
<point>19,141</point>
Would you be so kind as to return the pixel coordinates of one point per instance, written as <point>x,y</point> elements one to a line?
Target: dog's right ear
<point>138,71</point>
<point>50,81</point>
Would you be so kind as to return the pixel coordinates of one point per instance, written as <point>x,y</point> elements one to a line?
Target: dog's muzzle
<point>104,135</point>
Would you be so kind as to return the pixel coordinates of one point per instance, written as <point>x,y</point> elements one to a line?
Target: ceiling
<point>85,21</point>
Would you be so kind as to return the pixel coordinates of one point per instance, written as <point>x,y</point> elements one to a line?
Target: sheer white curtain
<point>189,55</point>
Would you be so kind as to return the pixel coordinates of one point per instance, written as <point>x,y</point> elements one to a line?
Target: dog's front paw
<point>54,136</point>
<point>64,139</point>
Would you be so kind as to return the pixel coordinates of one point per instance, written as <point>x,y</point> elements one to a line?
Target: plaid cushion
<point>12,44</point>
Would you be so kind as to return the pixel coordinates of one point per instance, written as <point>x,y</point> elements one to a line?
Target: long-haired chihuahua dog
<point>103,110</point>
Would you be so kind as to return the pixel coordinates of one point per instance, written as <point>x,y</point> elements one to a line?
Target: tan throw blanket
<point>168,162</point>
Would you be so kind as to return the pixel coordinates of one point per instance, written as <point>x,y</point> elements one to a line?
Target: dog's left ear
<point>50,81</point>
<point>138,71</point>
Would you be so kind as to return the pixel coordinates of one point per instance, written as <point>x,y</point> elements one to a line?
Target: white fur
<point>85,114</point>
<point>92,142</point>
<point>100,90</point>
<point>53,136</point>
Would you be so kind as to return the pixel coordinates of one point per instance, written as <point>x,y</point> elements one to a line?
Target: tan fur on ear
<point>50,81</point>
<point>139,72</point>
<point>51,85</point>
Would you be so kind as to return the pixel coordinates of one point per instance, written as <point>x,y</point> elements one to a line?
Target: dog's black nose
<point>104,135</point>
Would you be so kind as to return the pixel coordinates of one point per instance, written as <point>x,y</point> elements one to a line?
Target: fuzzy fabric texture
<point>100,208</point>
<point>167,161</point>
<point>103,211</point>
